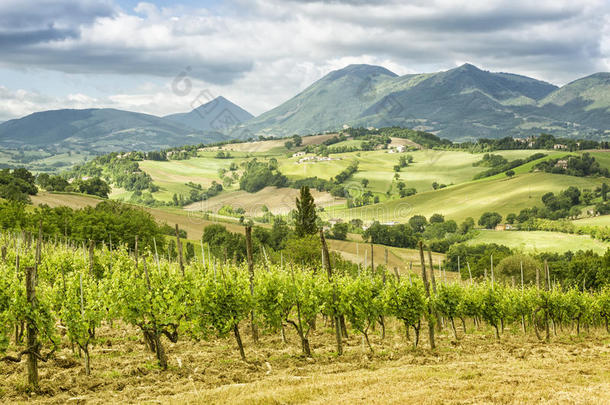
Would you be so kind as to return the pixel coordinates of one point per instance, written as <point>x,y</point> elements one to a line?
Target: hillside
<point>461,103</point>
<point>471,199</point>
<point>98,130</point>
<point>215,115</point>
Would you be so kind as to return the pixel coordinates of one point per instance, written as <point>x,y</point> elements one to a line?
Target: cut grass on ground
<point>476,369</point>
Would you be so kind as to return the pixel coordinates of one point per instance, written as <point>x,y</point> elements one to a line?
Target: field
<point>539,241</point>
<point>399,258</point>
<point>429,166</point>
<point>471,199</point>
<point>603,220</point>
<point>41,161</point>
<point>475,369</point>
<point>172,176</point>
<point>278,201</point>
<point>64,199</point>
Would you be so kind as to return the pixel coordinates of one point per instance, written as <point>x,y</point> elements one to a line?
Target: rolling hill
<point>461,103</point>
<point>98,130</point>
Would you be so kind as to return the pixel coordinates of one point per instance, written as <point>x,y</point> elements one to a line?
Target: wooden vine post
<point>251,272</point>
<point>427,288</point>
<point>546,311</point>
<point>372,262</point>
<point>31,330</point>
<point>433,280</point>
<point>135,251</point>
<point>179,244</point>
<point>326,264</point>
<point>91,246</point>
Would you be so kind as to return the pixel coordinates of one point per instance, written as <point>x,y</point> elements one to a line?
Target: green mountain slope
<point>100,130</point>
<point>461,103</point>
<point>327,104</point>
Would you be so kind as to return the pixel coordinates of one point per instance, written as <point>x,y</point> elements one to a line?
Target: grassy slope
<point>603,220</point>
<point>538,241</point>
<point>171,176</point>
<point>472,199</point>
<point>278,201</point>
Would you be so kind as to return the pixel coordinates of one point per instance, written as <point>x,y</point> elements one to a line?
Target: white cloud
<point>259,53</point>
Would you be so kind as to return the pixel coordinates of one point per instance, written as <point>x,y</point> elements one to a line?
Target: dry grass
<point>475,369</point>
<point>399,258</point>
<point>278,201</point>
<point>74,201</point>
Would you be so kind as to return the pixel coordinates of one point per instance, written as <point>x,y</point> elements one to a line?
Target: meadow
<point>503,195</point>
<point>540,241</point>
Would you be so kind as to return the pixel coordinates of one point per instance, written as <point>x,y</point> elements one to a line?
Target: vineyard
<point>57,296</point>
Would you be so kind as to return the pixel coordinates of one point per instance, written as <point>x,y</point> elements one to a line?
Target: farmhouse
<point>562,163</point>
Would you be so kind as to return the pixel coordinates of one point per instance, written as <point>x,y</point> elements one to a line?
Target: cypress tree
<point>305,221</point>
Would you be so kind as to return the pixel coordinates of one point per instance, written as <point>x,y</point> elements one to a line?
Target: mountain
<point>98,130</point>
<point>585,100</point>
<point>461,103</point>
<point>216,115</point>
<point>327,104</point>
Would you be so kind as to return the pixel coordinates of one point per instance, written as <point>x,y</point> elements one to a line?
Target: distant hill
<point>461,103</point>
<point>216,115</point>
<point>98,130</point>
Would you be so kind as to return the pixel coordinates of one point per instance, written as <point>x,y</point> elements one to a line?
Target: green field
<point>463,197</point>
<point>602,220</point>
<point>41,161</point>
<point>539,241</point>
<point>603,157</point>
<point>471,199</point>
<point>171,176</point>
<point>448,167</point>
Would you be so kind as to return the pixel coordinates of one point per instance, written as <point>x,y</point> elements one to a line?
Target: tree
<point>94,186</point>
<point>467,225</point>
<point>418,223</point>
<point>297,140</point>
<point>490,219</point>
<point>510,173</point>
<point>573,194</point>
<point>365,182</point>
<point>305,216</point>
<point>437,219</point>
<point>339,231</point>
<point>604,191</point>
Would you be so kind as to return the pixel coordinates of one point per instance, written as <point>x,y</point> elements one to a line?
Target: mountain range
<point>459,104</point>
<point>104,130</point>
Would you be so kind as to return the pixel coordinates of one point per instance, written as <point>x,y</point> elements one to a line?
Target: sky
<point>161,57</point>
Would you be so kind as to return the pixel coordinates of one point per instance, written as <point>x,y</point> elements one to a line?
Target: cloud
<point>259,53</point>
